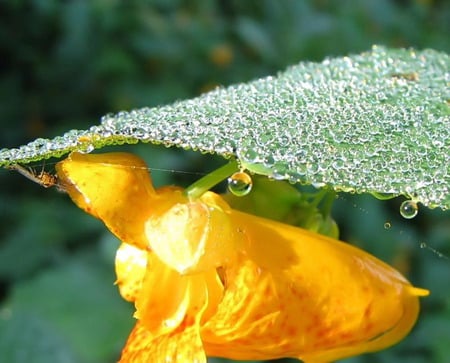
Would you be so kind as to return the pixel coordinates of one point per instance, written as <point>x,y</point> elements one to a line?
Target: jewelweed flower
<point>208,280</point>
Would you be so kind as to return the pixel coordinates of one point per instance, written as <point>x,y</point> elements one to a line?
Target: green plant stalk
<point>327,202</point>
<point>204,184</point>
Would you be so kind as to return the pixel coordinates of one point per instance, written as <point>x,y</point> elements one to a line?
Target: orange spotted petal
<point>178,346</point>
<point>131,265</point>
<point>169,301</point>
<point>167,332</point>
<point>282,291</point>
<point>299,294</point>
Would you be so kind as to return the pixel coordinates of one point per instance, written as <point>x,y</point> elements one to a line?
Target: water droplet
<point>269,161</point>
<point>423,245</point>
<point>387,225</point>
<point>279,172</point>
<point>250,156</point>
<point>409,209</point>
<point>85,146</point>
<point>240,183</point>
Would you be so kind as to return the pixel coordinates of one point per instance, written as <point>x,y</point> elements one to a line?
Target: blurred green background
<point>64,64</point>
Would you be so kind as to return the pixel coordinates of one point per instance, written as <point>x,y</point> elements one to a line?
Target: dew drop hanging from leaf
<point>409,209</point>
<point>240,184</point>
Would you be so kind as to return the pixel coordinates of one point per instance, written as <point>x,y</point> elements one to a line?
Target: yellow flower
<point>207,280</point>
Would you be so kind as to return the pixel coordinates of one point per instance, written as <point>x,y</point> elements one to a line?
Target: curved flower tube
<point>208,280</point>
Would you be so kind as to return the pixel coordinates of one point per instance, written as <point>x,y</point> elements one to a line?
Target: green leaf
<point>65,312</point>
<point>376,122</point>
<point>28,338</point>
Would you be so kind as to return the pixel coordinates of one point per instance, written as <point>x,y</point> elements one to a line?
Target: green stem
<point>317,197</point>
<point>202,185</point>
<point>325,198</point>
<point>328,201</point>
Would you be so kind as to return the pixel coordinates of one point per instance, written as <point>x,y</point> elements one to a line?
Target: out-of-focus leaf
<point>27,338</point>
<point>376,122</point>
<point>79,307</point>
<point>434,332</point>
<point>35,239</point>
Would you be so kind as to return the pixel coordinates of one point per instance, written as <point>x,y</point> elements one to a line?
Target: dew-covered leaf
<point>377,122</point>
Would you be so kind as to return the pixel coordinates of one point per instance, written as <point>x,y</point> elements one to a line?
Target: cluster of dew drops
<point>240,184</point>
<point>408,210</point>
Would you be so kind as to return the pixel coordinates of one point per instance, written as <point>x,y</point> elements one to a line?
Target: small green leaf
<point>378,122</point>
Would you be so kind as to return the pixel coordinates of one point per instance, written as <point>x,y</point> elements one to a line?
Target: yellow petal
<point>286,292</point>
<point>131,265</point>
<point>193,237</point>
<point>114,187</point>
<point>180,346</point>
<point>169,301</point>
<point>300,294</point>
<point>163,302</point>
<point>170,309</point>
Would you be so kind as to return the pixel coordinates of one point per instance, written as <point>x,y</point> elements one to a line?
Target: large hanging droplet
<point>240,183</point>
<point>409,209</point>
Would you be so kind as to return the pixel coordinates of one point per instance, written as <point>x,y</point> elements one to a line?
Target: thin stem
<point>202,185</point>
<point>317,197</point>
<point>325,198</point>
<point>327,202</point>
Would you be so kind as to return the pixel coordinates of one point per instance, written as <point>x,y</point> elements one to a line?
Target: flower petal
<point>193,236</point>
<point>169,301</point>
<point>114,187</point>
<point>169,318</point>
<point>300,294</point>
<point>179,346</point>
<point>282,291</point>
<point>163,301</point>
<point>131,265</point>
